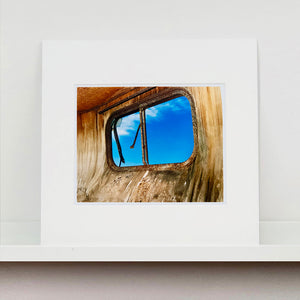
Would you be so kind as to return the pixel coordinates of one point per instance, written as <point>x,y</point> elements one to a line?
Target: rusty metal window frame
<point>141,106</point>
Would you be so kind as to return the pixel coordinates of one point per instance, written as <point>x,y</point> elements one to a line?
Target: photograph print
<point>150,144</point>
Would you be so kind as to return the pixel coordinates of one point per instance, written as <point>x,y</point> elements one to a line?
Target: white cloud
<point>176,104</point>
<point>151,112</point>
<point>130,123</point>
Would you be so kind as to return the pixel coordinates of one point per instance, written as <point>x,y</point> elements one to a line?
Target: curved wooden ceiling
<point>89,98</point>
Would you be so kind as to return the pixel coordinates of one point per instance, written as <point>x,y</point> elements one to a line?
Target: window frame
<point>144,103</point>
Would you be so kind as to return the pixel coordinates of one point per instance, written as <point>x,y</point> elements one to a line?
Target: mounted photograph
<point>150,144</point>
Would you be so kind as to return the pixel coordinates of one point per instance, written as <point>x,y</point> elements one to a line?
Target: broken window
<point>159,134</point>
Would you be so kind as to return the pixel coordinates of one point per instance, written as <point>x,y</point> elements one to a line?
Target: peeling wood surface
<point>199,181</point>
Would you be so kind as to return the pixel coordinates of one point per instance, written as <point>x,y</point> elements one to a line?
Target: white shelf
<point>147,253</point>
<point>280,241</point>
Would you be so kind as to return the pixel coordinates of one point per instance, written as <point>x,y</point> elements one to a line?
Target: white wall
<point>24,24</point>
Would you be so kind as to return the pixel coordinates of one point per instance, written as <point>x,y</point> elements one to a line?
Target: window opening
<point>166,134</point>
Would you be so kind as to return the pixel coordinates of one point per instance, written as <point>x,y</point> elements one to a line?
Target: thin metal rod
<point>122,160</point>
<point>144,137</point>
<point>136,135</point>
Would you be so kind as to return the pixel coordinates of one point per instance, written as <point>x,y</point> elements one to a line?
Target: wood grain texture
<point>200,181</point>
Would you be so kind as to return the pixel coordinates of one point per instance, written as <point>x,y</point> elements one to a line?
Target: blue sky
<point>169,134</point>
